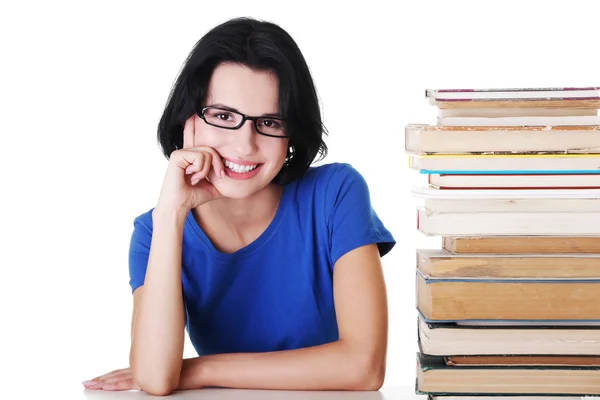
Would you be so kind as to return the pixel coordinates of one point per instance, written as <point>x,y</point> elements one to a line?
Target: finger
<point>188,133</point>
<point>191,161</point>
<point>203,173</point>
<point>207,163</point>
<point>112,373</point>
<point>125,384</point>
<point>217,163</point>
<point>117,378</point>
<point>93,385</point>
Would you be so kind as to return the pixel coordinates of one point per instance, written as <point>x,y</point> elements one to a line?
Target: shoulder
<point>330,177</point>
<point>144,219</point>
<point>330,186</point>
<point>142,227</point>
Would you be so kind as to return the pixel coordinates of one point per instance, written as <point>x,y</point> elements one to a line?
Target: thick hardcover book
<point>428,139</point>
<point>590,120</point>
<point>530,360</point>
<point>505,163</point>
<point>456,299</point>
<point>508,397</point>
<point>438,263</point>
<point>547,93</point>
<point>508,223</point>
<point>511,338</point>
<point>521,244</point>
<point>514,181</point>
<point>511,201</point>
<point>435,377</point>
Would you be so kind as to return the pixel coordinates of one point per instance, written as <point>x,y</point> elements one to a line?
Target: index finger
<point>188,133</point>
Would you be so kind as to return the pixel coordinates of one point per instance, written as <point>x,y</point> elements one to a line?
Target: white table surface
<point>386,393</point>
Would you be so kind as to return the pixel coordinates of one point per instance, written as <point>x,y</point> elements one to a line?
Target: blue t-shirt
<point>277,292</point>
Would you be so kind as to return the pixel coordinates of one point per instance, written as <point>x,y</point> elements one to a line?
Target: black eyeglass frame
<point>244,119</point>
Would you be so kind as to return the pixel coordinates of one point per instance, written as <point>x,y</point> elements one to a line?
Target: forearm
<point>332,366</point>
<point>158,332</point>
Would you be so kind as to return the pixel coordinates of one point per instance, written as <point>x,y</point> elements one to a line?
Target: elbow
<point>154,381</point>
<point>156,386</point>
<point>370,373</point>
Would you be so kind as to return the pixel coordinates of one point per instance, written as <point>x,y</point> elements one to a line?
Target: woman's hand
<point>186,185</point>
<point>120,379</point>
<point>192,377</point>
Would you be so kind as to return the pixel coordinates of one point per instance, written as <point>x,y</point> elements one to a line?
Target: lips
<point>238,161</point>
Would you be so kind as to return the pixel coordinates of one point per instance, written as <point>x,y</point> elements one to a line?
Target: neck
<point>240,213</point>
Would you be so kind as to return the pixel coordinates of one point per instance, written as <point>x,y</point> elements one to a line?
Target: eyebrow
<point>223,106</point>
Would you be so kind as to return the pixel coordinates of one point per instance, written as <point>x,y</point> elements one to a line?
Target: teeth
<point>239,168</point>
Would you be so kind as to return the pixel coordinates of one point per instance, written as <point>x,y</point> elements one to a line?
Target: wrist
<point>193,373</point>
<point>168,213</point>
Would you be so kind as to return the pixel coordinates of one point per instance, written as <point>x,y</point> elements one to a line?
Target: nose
<point>245,139</point>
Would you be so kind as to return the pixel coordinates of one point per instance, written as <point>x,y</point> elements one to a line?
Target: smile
<point>239,168</point>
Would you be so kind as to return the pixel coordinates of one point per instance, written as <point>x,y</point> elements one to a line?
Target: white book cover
<point>432,193</point>
<point>430,139</point>
<point>519,121</point>
<point>505,163</point>
<point>515,112</point>
<point>514,93</point>
<point>508,223</point>
<point>509,182</point>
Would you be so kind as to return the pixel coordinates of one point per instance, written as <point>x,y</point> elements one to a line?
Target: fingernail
<point>222,174</point>
<point>195,180</point>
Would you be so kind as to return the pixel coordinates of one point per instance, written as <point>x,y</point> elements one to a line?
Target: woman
<point>271,265</point>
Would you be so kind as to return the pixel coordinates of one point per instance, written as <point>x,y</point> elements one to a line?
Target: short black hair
<point>261,46</point>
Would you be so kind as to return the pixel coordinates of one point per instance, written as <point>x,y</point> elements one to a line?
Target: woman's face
<point>252,93</point>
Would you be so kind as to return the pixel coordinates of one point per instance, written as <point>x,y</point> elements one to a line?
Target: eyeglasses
<point>227,119</point>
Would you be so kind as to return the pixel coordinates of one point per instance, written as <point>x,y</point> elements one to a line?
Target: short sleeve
<point>139,249</point>
<point>352,221</point>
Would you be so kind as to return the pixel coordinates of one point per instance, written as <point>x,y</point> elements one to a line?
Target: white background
<point>83,85</point>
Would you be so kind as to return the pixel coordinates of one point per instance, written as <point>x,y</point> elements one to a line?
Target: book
<point>517,200</point>
<point>555,104</point>
<point>455,299</point>
<point>519,121</point>
<point>438,263</point>
<point>508,397</point>
<point>435,377</point>
<point>515,112</point>
<point>514,93</point>
<point>452,339</point>
<point>551,194</point>
<point>514,181</point>
<point>505,163</point>
<point>521,244</point>
<point>433,139</point>
<point>508,223</point>
<point>512,205</point>
<point>531,360</point>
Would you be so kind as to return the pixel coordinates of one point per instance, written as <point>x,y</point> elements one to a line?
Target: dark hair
<point>262,46</point>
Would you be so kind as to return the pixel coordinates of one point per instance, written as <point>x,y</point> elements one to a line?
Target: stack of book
<point>510,303</point>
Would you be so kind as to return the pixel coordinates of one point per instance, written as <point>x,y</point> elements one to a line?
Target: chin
<point>239,188</point>
<point>235,189</point>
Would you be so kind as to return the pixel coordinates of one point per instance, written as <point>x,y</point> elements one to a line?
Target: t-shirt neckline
<point>246,251</point>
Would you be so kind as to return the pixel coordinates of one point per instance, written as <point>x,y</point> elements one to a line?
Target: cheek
<point>208,136</point>
<point>276,152</point>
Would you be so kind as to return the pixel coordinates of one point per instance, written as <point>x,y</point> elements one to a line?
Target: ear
<point>187,134</point>
<point>289,156</point>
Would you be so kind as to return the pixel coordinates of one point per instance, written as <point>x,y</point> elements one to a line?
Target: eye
<point>223,115</point>
<point>270,123</point>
